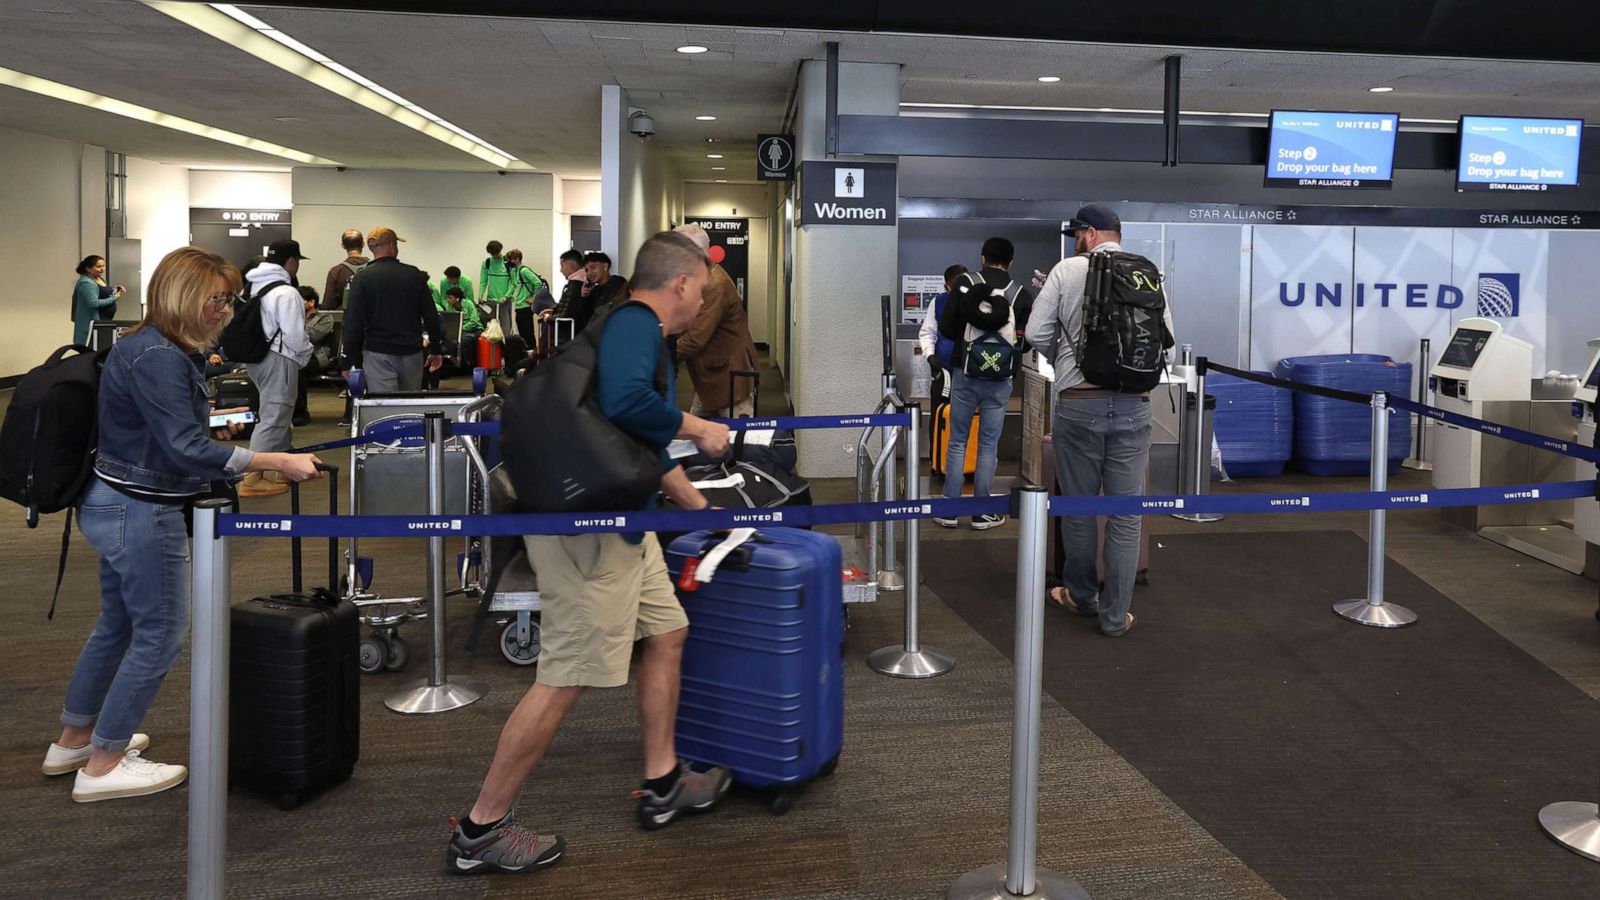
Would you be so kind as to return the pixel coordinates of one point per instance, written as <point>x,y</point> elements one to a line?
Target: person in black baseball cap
<point>1094,217</point>
<point>281,252</point>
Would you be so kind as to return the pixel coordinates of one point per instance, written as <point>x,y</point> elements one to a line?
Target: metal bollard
<point>208,706</point>
<point>1019,875</point>
<point>1201,468</point>
<point>436,693</point>
<point>1371,610</point>
<point>912,660</point>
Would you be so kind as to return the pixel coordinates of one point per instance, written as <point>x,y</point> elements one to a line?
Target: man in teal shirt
<point>602,592</point>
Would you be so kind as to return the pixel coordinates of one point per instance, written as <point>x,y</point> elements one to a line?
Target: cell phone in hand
<point>238,418</point>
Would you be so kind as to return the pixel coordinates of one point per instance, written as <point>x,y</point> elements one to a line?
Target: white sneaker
<point>134,776</point>
<point>59,760</point>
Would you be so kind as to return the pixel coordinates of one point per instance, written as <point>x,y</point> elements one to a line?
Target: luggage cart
<point>389,478</point>
<point>501,578</point>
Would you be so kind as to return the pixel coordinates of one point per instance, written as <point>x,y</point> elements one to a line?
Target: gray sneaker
<point>694,792</point>
<point>509,847</point>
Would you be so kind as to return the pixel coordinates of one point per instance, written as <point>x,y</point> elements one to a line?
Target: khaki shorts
<point>597,595</point>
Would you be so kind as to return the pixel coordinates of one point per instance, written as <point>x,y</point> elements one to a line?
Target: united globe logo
<point>1499,295</point>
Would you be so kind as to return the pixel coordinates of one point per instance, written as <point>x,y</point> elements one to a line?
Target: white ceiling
<point>532,86</point>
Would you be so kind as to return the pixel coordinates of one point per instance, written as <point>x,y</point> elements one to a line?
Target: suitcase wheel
<point>290,802</point>
<point>517,650</point>
<point>828,769</point>
<point>779,804</point>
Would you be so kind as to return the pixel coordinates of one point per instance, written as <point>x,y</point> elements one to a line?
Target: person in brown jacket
<point>718,343</point>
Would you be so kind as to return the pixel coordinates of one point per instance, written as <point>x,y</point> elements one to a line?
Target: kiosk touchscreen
<point>1480,365</point>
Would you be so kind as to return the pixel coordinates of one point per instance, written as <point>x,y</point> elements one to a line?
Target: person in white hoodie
<point>277,376</point>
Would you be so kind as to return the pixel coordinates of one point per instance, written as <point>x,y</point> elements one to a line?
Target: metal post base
<point>1380,615</point>
<point>421,699</point>
<point>1420,465</point>
<point>1202,518</point>
<point>891,581</point>
<point>989,883</point>
<point>898,662</point>
<point>1574,825</point>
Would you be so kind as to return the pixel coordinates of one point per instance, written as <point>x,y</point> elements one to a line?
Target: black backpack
<point>562,453</point>
<point>48,438</point>
<point>1125,336</point>
<point>244,339</point>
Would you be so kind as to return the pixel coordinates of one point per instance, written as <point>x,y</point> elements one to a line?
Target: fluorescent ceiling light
<point>713,156</point>
<point>691,49</point>
<point>1109,109</point>
<point>705,118</point>
<point>719,168</point>
<point>234,26</point>
<point>722,181</point>
<point>1380,90</point>
<point>1049,79</point>
<point>59,91</point>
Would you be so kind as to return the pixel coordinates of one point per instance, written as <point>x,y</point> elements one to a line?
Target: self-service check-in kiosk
<point>1481,365</point>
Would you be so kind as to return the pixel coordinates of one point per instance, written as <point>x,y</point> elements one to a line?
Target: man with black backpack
<point>982,318</point>
<point>1103,318</point>
<point>276,373</point>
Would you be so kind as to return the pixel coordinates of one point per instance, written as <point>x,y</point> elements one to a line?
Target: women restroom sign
<point>848,193</point>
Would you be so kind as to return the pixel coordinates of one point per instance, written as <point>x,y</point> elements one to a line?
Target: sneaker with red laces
<point>694,792</point>
<point>508,847</point>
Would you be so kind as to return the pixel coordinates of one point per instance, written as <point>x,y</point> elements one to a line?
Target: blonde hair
<point>179,290</point>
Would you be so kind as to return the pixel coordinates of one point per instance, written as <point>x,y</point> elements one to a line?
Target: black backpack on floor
<point>1125,337</point>
<point>48,438</point>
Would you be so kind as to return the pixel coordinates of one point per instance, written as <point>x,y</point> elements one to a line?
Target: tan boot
<point>256,484</point>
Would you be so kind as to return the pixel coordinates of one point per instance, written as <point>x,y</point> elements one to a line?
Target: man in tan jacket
<point>718,343</point>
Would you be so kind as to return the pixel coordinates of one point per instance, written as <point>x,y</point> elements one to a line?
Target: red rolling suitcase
<point>295,685</point>
<point>491,355</point>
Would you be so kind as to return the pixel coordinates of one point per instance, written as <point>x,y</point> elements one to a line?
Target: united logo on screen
<point>1499,295</point>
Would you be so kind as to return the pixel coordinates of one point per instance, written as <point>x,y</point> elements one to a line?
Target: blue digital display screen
<point>1506,154</point>
<point>1331,149</point>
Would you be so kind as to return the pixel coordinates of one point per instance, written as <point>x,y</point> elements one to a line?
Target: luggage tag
<point>698,570</point>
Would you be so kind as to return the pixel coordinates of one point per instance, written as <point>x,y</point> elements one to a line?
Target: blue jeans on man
<point>144,613</point>
<point>1102,445</point>
<point>986,399</point>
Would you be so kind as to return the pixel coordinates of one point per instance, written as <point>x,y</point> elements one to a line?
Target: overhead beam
<point>1170,107</point>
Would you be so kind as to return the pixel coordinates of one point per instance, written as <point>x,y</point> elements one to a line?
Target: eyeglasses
<point>222,301</point>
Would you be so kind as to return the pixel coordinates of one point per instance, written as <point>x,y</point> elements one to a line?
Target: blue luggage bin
<point>1254,425</point>
<point>1334,437</point>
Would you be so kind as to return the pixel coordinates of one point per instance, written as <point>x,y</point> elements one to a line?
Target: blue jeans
<point>1102,445</point>
<point>144,613</point>
<point>988,400</point>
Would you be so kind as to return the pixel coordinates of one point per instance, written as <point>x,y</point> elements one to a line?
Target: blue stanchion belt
<point>1541,441</point>
<point>847,513</point>
<point>408,429</point>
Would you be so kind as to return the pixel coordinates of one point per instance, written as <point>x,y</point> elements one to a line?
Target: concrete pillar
<point>840,272</point>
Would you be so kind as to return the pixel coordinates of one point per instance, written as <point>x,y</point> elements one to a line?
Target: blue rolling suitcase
<point>763,669</point>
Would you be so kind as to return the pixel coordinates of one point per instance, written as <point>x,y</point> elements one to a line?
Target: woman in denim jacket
<point>155,457</point>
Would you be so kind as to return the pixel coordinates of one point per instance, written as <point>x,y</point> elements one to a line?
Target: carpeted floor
<point>1337,761</point>
<point>920,796</point>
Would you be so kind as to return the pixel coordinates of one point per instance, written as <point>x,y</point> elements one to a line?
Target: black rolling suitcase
<point>295,725</point>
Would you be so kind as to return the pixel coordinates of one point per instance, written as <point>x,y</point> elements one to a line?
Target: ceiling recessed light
<point>1380,90</point>
<point>1049,79</point>
<point>719,168</point>
<point>287,119</point>
<point>691,49</point>
<point>705,118</point>
<point>713,156</point>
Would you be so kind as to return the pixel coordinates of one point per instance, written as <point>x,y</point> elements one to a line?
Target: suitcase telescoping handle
<point>333,543</point>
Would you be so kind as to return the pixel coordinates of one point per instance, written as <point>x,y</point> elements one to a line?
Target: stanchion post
<point>1371,610</point>
<point>889,578</point>
<point>208,706</point>
<point>1019,875</point>
<point>1419,459</point>
<point>1200,467</point>
<point>436,693</point>
<point>911,659</point>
